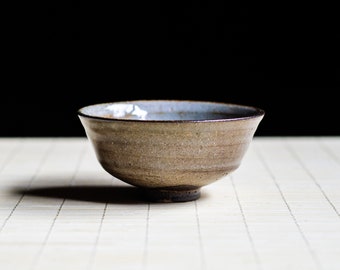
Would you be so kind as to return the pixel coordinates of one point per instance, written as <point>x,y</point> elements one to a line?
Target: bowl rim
<point>257,112</point>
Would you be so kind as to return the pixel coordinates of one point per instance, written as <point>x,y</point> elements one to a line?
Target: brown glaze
<point>170,160</point>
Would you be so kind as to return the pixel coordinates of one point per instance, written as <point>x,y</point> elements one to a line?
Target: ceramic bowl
<point>170,148</point>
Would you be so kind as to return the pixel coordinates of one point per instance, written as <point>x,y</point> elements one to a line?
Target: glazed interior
<point>169,110</point>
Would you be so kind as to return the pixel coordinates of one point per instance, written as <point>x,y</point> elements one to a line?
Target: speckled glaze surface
<point>170,148</point>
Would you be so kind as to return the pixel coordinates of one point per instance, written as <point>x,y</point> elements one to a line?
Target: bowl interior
<point>169,110</point>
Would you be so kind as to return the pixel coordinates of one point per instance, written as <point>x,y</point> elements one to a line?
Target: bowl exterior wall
<point>170,154</point>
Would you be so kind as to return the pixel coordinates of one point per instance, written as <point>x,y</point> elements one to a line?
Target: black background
<point>62,55</point>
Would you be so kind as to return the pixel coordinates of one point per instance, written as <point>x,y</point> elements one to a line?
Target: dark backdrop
<point>62,55</point>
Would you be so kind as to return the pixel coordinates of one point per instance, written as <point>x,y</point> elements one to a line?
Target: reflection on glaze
<point>127,111</point>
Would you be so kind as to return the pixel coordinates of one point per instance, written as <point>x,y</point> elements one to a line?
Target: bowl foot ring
<point>171,195</point>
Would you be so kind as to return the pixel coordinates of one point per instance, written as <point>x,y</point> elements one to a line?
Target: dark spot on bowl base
<point>171,195</point>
